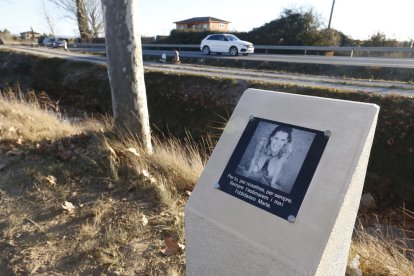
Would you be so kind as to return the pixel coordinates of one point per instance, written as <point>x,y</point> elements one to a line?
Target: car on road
<point>48,41</point>
<point>53,42</point>
<point>58,43</point>
<point>225,43</point>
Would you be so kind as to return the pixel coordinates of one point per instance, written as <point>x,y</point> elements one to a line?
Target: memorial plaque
<point>282,158</point>
<point>273,164</point>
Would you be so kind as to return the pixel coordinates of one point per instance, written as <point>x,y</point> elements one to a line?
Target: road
<point>380,87</point>
<point>309,59</point>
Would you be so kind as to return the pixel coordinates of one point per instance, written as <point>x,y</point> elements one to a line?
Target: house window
<point>221,26</point>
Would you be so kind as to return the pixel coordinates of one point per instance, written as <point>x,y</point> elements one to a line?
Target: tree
<point>294,27</point>
<point>87,14</point>
<point>126,69</point>
<point>95,18</point>
<point>327,37</point>
<point>82,17</point>
<point>347,40</point>
<point>5,34</point>
<point>380,40</point>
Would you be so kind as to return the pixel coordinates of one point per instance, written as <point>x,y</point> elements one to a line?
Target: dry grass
<point>170,172</point>
<point>380,255</point>
<point>34,117</point>
<point>24,122</point>
<point>124,201</point>
<point>80,199</point>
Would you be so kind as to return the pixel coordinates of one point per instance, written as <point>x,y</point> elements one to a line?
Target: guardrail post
<point>352,53</point>
<point>305,51</point>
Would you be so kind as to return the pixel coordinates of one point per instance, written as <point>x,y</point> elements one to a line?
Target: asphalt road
<point>380,87</point>
<point>310,59</point>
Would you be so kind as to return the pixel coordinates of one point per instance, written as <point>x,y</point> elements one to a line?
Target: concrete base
<point>227,236</point>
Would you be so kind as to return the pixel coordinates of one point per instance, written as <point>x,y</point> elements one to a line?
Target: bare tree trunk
<point>82,18</point>
<point>79,10</point>
<point>125,69</point>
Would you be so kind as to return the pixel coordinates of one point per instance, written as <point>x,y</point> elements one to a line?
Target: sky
<point>359,19</point>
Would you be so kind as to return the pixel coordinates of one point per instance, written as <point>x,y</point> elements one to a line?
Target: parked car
<point>225,43</point>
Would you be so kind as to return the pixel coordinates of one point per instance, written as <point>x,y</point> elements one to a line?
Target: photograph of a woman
<point>270,155</point>
<point>275,155</point>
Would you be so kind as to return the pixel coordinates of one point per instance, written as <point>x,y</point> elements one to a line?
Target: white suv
<point>225,43</point>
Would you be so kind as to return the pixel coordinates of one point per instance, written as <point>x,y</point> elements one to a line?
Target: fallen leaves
<point>390,141</point>
<point>144,220</point>
<point>69,207</point>
<point>172,246</point>
<point>148,176</point>
<point>12,130</point>
<point>51,180</point>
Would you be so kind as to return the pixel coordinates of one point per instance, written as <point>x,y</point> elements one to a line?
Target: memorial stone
<point>280,192</point>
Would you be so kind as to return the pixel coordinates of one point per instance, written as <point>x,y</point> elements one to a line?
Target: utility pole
<point>330,17</point>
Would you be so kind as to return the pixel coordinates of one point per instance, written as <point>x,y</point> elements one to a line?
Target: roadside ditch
<point>182,103</point>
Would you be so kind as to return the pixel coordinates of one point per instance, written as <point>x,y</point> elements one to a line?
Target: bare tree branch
<point>95,18</point>
<point>69,6</point>
<point>48,19</point>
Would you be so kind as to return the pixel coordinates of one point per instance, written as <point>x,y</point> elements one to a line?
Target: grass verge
<point>79,198</point>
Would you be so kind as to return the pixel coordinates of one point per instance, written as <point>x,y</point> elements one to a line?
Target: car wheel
<point>206,50</point>
<point>233,51</point>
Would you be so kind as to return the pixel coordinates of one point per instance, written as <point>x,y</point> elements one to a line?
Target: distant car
<point>53,42</point>
<point>58,43</point>
<point>48,41</point>
<point>225,43</point>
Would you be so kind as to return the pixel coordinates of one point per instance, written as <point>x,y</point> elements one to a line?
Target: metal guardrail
<point>351,49</point>
<point>266,48</point>
<point>86,45</point>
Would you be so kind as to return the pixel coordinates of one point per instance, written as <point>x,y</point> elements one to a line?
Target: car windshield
<point>232,37</point>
